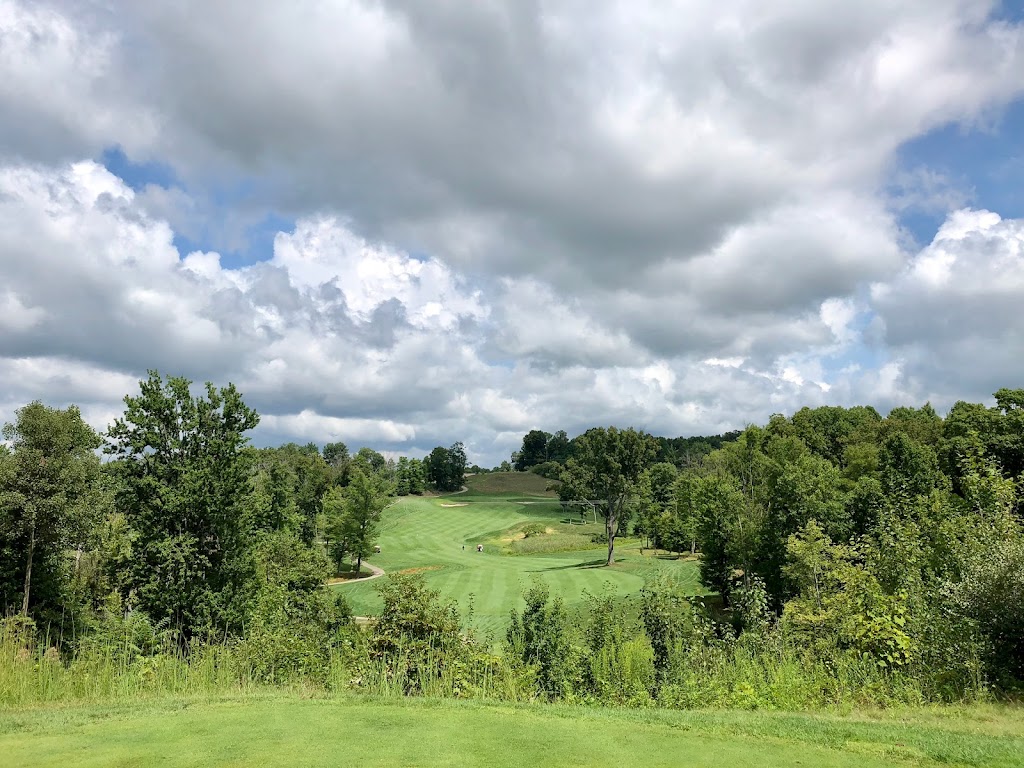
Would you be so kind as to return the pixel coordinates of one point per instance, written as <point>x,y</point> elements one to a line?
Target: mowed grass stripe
<point>427,535</point>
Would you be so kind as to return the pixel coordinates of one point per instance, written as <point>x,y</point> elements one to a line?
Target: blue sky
<point>985,162</point>
<point>218,204</point>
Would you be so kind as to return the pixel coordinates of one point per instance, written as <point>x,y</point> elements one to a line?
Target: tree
<point>446,467</point>
<point>185,469</point>
<point>409,477</point>
<point>685,514</point>
<point>288,487</point>
<point>655,496</point>
<point>534,450</point>
<point>336,454</point>
<point>718,505</point>
<point>369,460</point>
<point>365,498</point>
<point>558,447</point>
<point>607,467</point>
<point>907,468</point>
<point>828,430</point>
<point>333,527</point>
<point>541,638</point>
<point>47,483</point>
<point>337,457</point>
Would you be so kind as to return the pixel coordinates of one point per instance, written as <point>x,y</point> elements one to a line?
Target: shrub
<point>534,529</point>
<point>417,636</point>
<point>540,637</point>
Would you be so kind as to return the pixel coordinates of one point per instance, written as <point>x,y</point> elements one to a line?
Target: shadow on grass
<point>347,573</point>
<point>602,563</point>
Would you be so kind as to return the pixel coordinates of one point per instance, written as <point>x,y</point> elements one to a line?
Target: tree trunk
<point>359,563</point>
<point>610,528</point>
<point>28,567</point>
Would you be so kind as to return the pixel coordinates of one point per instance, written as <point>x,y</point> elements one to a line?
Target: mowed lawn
<point>287,730</point>
<point>438,538</point>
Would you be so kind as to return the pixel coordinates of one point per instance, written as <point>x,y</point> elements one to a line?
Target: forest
<point>846,559</point>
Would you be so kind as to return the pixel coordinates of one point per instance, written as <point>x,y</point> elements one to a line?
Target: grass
<point>526,483</point>
<point>285,729</point>
<point>438,537</point>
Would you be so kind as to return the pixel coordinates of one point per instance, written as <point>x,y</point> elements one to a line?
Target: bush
<point>991,597</point>
<point>620,664</point>
<point>418,637</point>
<point>552,470</point>
<point>540,638</point>
<point>291,634</point>
<point>534,529</point>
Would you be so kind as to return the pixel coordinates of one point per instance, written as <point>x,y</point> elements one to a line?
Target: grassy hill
<point>282,729</point>
<point>526,537</point>
<point>510,483</point>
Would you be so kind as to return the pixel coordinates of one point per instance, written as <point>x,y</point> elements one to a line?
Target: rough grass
<point>282,729</point>
<point>525,483</point>
<point>441,541</point>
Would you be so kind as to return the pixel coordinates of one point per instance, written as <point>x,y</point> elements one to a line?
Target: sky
<point>401,224</point>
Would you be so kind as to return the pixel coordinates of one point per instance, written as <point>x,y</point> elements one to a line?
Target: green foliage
<point>49,499</point>
<point>184,474</point>
<point>446,467</point>
<point>552,470</point>
<point>290,634</point>
<point>619,666</point>
<point>533,451</point>
<point>908,469</point>
<point>991,596</point>
<point>719,506</point>
<point>362,504</point>
<point>288,485</point>
<point>667,617</point>
<point>410,477</point>
<point>857,560</point>
<point>416,631</point>
<point>540,638</point>
<point>607,466</point>
<point>751,609</point>
<point>534,529</point>
<point>842,604</point>
<point>830,430</point>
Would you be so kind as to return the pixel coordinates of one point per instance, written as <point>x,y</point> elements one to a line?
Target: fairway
<point>438,538</point>
<point>284,730</point>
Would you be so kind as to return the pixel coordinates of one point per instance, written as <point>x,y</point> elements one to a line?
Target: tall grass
<point>33,673</point>
<point>768,673</point>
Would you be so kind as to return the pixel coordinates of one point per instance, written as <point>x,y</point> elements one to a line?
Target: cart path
<point>375,573</point>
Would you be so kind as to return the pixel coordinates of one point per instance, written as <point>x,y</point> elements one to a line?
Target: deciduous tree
<point>365,498</point>
<point>607,466</point>
<point>48,489</point>
<point>185,472</point>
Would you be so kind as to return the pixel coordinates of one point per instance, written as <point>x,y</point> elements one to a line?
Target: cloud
<point>60,79</point>
<point>952,316</point>
<point>501,216</point>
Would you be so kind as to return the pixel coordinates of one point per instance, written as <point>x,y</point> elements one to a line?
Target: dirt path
<point>375,573</point>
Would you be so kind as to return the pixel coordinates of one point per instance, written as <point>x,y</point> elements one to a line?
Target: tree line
<point>849,545</point>
<point>898,538</point>
<point>185,521</point>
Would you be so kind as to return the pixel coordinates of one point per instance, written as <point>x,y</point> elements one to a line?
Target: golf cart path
<point>375,573</point>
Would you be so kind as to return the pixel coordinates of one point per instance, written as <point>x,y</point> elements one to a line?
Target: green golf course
<point>282,729</point>
<point>526,537</point>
